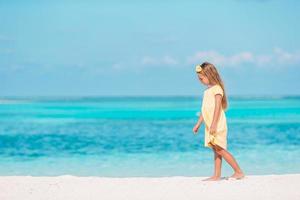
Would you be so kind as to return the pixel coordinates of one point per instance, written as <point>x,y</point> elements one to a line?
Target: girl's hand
<point>213,128</point>
<point>196,127</point>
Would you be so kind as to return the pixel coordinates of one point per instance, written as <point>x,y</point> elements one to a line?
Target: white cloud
<point>212,56</point>
<point>278,56</point>
<point>286,57</point>
<point>169,60</point>
<point>263,59</point>
<point>241,57</point>
<point>219,59</point>
<point>147,60</point>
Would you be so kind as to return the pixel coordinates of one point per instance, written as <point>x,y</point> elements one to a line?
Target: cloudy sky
<point>66,48</point>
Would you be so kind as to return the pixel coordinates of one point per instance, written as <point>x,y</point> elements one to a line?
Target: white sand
<point>283,187</point>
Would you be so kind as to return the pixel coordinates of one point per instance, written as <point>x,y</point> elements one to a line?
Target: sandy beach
<point>140,188</point>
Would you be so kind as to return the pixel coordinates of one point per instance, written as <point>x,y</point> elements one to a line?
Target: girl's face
<point>203,79</point>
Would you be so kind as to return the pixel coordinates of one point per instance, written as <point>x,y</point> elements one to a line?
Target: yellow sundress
<point>207,110</point>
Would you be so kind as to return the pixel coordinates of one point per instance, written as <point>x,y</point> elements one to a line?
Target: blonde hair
<point>211,72</point>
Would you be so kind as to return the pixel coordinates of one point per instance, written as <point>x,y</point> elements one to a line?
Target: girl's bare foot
<point>213,178</point>
<point>238,175</point>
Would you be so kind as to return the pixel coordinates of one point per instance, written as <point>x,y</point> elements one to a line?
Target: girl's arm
<point>217,111</point>
<point>200,120</point>
<point>196,127</point>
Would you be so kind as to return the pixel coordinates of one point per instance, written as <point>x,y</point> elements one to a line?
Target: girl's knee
<point>217,149</point>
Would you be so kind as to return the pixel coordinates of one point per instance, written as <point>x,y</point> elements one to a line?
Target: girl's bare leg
<point>218,166</point>
<point>238,173</point>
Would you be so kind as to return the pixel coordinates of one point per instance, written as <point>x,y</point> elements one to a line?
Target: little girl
<point>212,113</point>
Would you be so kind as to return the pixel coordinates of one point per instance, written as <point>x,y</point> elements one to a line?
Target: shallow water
<point>143,136</point>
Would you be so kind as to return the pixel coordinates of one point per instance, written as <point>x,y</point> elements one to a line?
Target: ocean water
<point>143,136</point>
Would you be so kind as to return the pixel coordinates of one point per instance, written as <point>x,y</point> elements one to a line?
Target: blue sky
<point>66,48</point>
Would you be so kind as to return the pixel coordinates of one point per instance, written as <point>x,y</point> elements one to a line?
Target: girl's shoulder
<point>213,87</point>
<point>216,89</point>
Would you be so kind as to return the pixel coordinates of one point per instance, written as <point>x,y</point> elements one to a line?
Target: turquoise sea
<point>143,136</point>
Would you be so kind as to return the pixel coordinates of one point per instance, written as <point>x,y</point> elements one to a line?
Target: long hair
<point>211,72</point>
